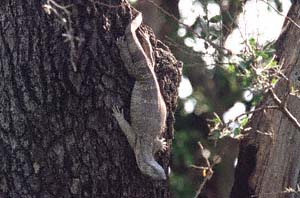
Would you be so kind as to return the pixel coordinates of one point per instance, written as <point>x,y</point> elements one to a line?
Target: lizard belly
<point>148,109</point>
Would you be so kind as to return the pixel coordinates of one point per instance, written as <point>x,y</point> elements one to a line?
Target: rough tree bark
<point>57,134</point>
<point>270,164</point>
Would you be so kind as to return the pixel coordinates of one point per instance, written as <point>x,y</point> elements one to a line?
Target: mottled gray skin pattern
<point>147,108</point>
<point>295,79</point>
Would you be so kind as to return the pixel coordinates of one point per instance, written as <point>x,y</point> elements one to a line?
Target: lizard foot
<point>124,52</point>
<point>121,43</point>
<point>164,145</point>
<point>117,113</point>
<point>160,144</point>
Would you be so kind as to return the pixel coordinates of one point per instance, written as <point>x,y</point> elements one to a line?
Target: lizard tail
<point>153,169</point>
<point>133,26</point>
<point>134,45</point>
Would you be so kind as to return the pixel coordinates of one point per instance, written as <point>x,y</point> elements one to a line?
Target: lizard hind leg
<point>125,126</point>
<point>159,144</point>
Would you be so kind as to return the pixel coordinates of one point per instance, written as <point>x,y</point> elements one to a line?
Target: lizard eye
<point>296,73</point>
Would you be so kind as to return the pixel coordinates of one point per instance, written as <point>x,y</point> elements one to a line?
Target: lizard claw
<point>121,43</point>
<point>160,144</point>
<point>117,112</point>
<point>164,145</point>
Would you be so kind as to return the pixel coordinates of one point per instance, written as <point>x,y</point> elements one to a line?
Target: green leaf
<point>215,19</point>
<point>274,81</point>
<point>245,64</point>
<point>203,34</point>
<point>243,121</point>
<point>246,81</point>
<point>252,42</point>
<point>256,99</point>
<point>263,54</point>
<point>236,132</point>
<point>213,37</point>
<point>231,68</point>
<point>217,119</point>
<point>215,135</point>
<point>273,64</point>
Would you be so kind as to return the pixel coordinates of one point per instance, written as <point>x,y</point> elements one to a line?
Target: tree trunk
<point>58,137</point>
<point>269,164</point>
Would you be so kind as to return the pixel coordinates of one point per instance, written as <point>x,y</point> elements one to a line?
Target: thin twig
<point>189,28</point>
<point>264,133</point>
<point>170,42</point>
<point>256,110</point>
<point>201,186</point>
<point>199,167</point>
<point>208,168</point>
<point>288,18</point>
<point>284,108</point>
<point>67,23</point>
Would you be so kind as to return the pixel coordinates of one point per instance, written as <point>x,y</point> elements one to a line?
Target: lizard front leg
<point>125,126</point>
<point>126,57</point>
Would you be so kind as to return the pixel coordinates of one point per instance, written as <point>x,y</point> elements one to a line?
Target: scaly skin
<point>147,109</point>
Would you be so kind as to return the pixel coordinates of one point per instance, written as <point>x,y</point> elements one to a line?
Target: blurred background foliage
<point>197,32</point>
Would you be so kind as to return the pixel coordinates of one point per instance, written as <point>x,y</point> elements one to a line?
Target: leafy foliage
<point>257,71</point>
<point>254,70</point>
